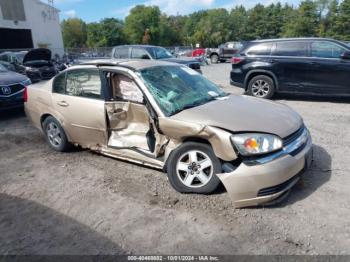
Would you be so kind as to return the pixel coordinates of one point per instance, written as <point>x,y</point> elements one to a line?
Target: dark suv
<point>305,65</point>
<point>153,53</point>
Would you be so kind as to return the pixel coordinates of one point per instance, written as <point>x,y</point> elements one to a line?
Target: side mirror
<point>345,55</point>
<point>145,57</point>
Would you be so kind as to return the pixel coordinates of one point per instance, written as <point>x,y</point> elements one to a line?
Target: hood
<point>244,114</point>
<point>37,54</point>
<point>9,78</point>
<point>184,61</point>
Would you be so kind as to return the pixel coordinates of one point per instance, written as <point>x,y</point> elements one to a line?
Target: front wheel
<point>192,168</point>
<point>261,86</point>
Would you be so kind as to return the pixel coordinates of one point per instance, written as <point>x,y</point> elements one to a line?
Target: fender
<point>265,72</point>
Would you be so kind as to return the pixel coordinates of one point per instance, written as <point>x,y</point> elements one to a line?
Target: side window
<point>230,45</point>
<point>84,83</point>
<point>121,52</point>
<point>260,49</point>
<point>59,84</point>
<point>326,49</point>
<point>126,89</point>
<point>139,53</point>
<point>291,49</point>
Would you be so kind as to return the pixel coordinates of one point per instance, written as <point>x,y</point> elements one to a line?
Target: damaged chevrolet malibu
<point>168,116</point>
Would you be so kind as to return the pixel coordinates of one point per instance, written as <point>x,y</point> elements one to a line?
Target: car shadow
<point>12,114</point>
<point>312,98</point>
<point>311,180</point>
<point>29,228</point>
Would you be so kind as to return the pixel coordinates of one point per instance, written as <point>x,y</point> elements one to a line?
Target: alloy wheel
<point>260,88</point>
<point>194,169</point>
<point>54,134</point>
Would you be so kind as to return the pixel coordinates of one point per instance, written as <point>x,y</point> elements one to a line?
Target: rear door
<point>329,73</point>
<point>139,53</point>
<point>121,52</point>
<point>79,100</point>
<point>290,62</point>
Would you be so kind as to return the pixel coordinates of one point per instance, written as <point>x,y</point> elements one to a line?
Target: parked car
<point>12,86</point>
<point>152,53</point>
<point>8,66</point>
<point>39,65</point>
<point>15,59</point>
<point>224,52</point>
<point>167,116</point>
<point>296,65</point>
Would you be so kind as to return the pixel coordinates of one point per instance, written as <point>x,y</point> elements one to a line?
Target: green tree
<point>256,24</point>
<point>341,28</point>
<point>304,22</point>
<point>238,24</point>
<point>213,29</point>
<point>141,18</point>
<point>108,32</point>
<point>74,33</point>
<point>169,31</point>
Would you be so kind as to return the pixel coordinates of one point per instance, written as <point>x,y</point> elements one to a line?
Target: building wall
<point>44,23</point>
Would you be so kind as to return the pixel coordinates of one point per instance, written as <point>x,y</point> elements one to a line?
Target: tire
<point>55,135</point>
<point>185,173</point>
<point>261,86</point>
<point>214,59</point>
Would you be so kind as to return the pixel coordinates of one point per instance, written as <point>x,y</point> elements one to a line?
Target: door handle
<point>315,63</point>
<point>62,103</point>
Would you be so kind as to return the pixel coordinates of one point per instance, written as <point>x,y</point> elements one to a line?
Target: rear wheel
<point>192,168</point>
<point>55,135</point>
<point>261,86</point>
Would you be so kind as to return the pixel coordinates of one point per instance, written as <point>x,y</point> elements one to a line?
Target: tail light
<point>25,94</point>
<point>236,60</point>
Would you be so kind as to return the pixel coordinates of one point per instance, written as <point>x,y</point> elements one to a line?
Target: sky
<point>95,10</point>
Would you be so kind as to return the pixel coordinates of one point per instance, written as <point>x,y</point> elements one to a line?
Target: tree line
<point>209,28</point>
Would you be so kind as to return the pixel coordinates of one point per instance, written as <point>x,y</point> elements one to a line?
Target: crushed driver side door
<point>129,125</point>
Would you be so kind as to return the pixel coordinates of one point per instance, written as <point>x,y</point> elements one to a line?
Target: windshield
<point>20,57</point>
<point>176,88</point>
<point>159,53</point>
<point>2,68</point>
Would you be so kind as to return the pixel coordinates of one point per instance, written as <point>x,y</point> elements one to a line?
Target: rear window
<point>121,52</point>
<point>260,49</point>
<point>59,84</point>
<point>291,49</point>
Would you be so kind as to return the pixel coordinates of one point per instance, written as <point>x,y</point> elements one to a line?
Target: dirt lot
<point>84,203</point>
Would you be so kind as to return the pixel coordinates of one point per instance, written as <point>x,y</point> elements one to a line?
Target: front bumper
<point>11,103</point>
<point>250,185</point>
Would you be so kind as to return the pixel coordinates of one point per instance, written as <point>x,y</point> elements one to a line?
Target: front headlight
<point>26,82</point>
<point>254,144</point>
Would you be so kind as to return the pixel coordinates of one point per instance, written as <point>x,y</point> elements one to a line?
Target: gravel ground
<point>84,203</point>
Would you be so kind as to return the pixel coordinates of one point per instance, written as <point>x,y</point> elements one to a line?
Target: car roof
<point>133,64</point>
<point>292,39</point>
<point>145,46</point>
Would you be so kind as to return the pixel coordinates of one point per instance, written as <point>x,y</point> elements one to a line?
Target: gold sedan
<point>170,117</point>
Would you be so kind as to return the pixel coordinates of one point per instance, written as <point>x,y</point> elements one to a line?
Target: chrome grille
<point>7,90</point>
